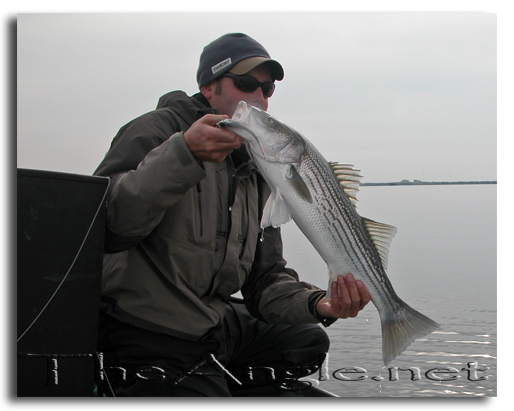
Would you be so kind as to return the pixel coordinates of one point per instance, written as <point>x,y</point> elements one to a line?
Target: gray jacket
<point>183,235</point>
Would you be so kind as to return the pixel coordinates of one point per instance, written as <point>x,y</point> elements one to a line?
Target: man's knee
<point>306,354</point>
<point>304,359</point>
<point>312,342</point>
<point>320,338</point>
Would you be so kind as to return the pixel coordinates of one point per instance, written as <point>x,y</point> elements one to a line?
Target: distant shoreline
<point>427,183</point>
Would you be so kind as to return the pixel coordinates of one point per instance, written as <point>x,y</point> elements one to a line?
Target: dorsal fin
<point>381,234</point>
<point>348,178</point>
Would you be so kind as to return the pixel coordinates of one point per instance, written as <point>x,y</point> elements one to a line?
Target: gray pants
<point>244,356</point>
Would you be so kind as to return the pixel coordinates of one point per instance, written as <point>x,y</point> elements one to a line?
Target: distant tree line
<point>427,183</point>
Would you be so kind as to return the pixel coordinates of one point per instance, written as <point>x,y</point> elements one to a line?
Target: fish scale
<point>362,257</point>
<point>305,188</point>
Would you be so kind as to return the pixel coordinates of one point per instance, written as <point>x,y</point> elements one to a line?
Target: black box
<point>61,226</point>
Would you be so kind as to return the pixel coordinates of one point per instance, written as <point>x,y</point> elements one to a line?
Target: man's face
<point>225,96</point>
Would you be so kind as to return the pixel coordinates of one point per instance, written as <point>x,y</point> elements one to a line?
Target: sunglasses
<point>248,84</point>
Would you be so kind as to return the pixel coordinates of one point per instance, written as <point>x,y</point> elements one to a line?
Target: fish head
<point>265,136</point>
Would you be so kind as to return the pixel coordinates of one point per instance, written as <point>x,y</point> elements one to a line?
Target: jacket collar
<point>240,155</point>
<point>199,105</point>
<point>202,105</point>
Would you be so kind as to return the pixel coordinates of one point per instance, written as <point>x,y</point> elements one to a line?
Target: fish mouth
<point>239,128</point>
<point>236,126</point>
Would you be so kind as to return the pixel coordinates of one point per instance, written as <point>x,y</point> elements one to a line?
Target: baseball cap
<point>237,53</point>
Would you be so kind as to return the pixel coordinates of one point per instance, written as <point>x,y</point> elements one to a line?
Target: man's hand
<point>208,142</point>
<point>348,297</point>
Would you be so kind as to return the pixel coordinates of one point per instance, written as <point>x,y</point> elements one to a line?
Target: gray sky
<point>400,95</point>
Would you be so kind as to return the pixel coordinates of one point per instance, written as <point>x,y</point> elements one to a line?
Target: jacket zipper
<point>200,208</point>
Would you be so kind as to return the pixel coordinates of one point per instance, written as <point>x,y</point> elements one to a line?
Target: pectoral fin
<point>298,184</point>
<point>275,211</point>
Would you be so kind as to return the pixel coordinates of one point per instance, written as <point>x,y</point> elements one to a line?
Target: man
<point>183,236</point>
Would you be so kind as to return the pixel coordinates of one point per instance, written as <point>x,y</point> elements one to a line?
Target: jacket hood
<point>179,101</point>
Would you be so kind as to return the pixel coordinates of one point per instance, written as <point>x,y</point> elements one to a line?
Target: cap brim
<point>246,65</point>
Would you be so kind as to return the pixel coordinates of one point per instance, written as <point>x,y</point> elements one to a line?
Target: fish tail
<point>401,328</point>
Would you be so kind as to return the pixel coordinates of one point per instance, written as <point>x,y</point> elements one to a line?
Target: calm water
<point>443,263</point>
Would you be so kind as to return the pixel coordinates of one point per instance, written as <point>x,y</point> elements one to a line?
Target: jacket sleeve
<point>273,291</point>
<point>150,170</point>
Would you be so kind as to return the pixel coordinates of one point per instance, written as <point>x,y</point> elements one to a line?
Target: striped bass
<point>320,197</point>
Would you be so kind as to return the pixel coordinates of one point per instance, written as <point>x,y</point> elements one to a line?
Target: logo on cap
<point>221,65</point>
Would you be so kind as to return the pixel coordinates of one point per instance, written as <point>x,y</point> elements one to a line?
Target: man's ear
<point>207,90</point>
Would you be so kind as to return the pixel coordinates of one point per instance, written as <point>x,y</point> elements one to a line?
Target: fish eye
<point>270,121</point>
